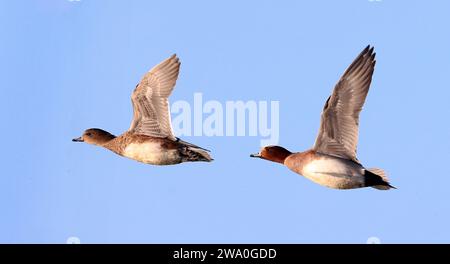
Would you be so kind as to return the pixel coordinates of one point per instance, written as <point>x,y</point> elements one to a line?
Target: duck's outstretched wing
<point>338,133</point>
<point>150,100</point>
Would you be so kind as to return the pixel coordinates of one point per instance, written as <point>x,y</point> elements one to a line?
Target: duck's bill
<point>255,155</point>
<point>79,139</point>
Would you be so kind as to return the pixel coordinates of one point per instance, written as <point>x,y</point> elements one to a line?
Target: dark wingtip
<point>366,49</point>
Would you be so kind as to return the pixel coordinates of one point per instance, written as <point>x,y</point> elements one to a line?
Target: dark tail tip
<point>390,186</point>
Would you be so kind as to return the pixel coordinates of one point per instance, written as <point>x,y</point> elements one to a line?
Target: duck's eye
<point>88,134</point>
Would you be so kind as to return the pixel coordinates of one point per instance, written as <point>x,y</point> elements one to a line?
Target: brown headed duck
<point>332,161</point>
<point>150,138</point>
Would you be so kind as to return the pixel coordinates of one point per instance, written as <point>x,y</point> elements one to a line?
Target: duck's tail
<point>192,152</point>
<point>378,178</point>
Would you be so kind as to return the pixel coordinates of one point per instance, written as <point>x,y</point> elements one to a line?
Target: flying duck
<point>150,138</point>
<point>332,160</point>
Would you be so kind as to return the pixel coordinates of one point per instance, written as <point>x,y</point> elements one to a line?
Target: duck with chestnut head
<point>332,161</point>
<point>150,138</point>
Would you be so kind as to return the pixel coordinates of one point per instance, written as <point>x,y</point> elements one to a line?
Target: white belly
<point>334,173</point>
<point>152,153</point>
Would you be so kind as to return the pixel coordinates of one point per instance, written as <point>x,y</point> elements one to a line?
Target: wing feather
<point>338,132</point>
<point>151,113</point>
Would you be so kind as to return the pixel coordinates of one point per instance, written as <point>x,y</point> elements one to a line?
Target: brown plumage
<point>332,161</point>
<point>150,138</point>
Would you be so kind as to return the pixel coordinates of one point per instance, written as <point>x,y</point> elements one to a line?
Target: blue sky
<point>67,66</point>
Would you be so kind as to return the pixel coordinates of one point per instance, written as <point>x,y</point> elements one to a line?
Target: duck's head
<point>272,153</point>
<point>95,136</point>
